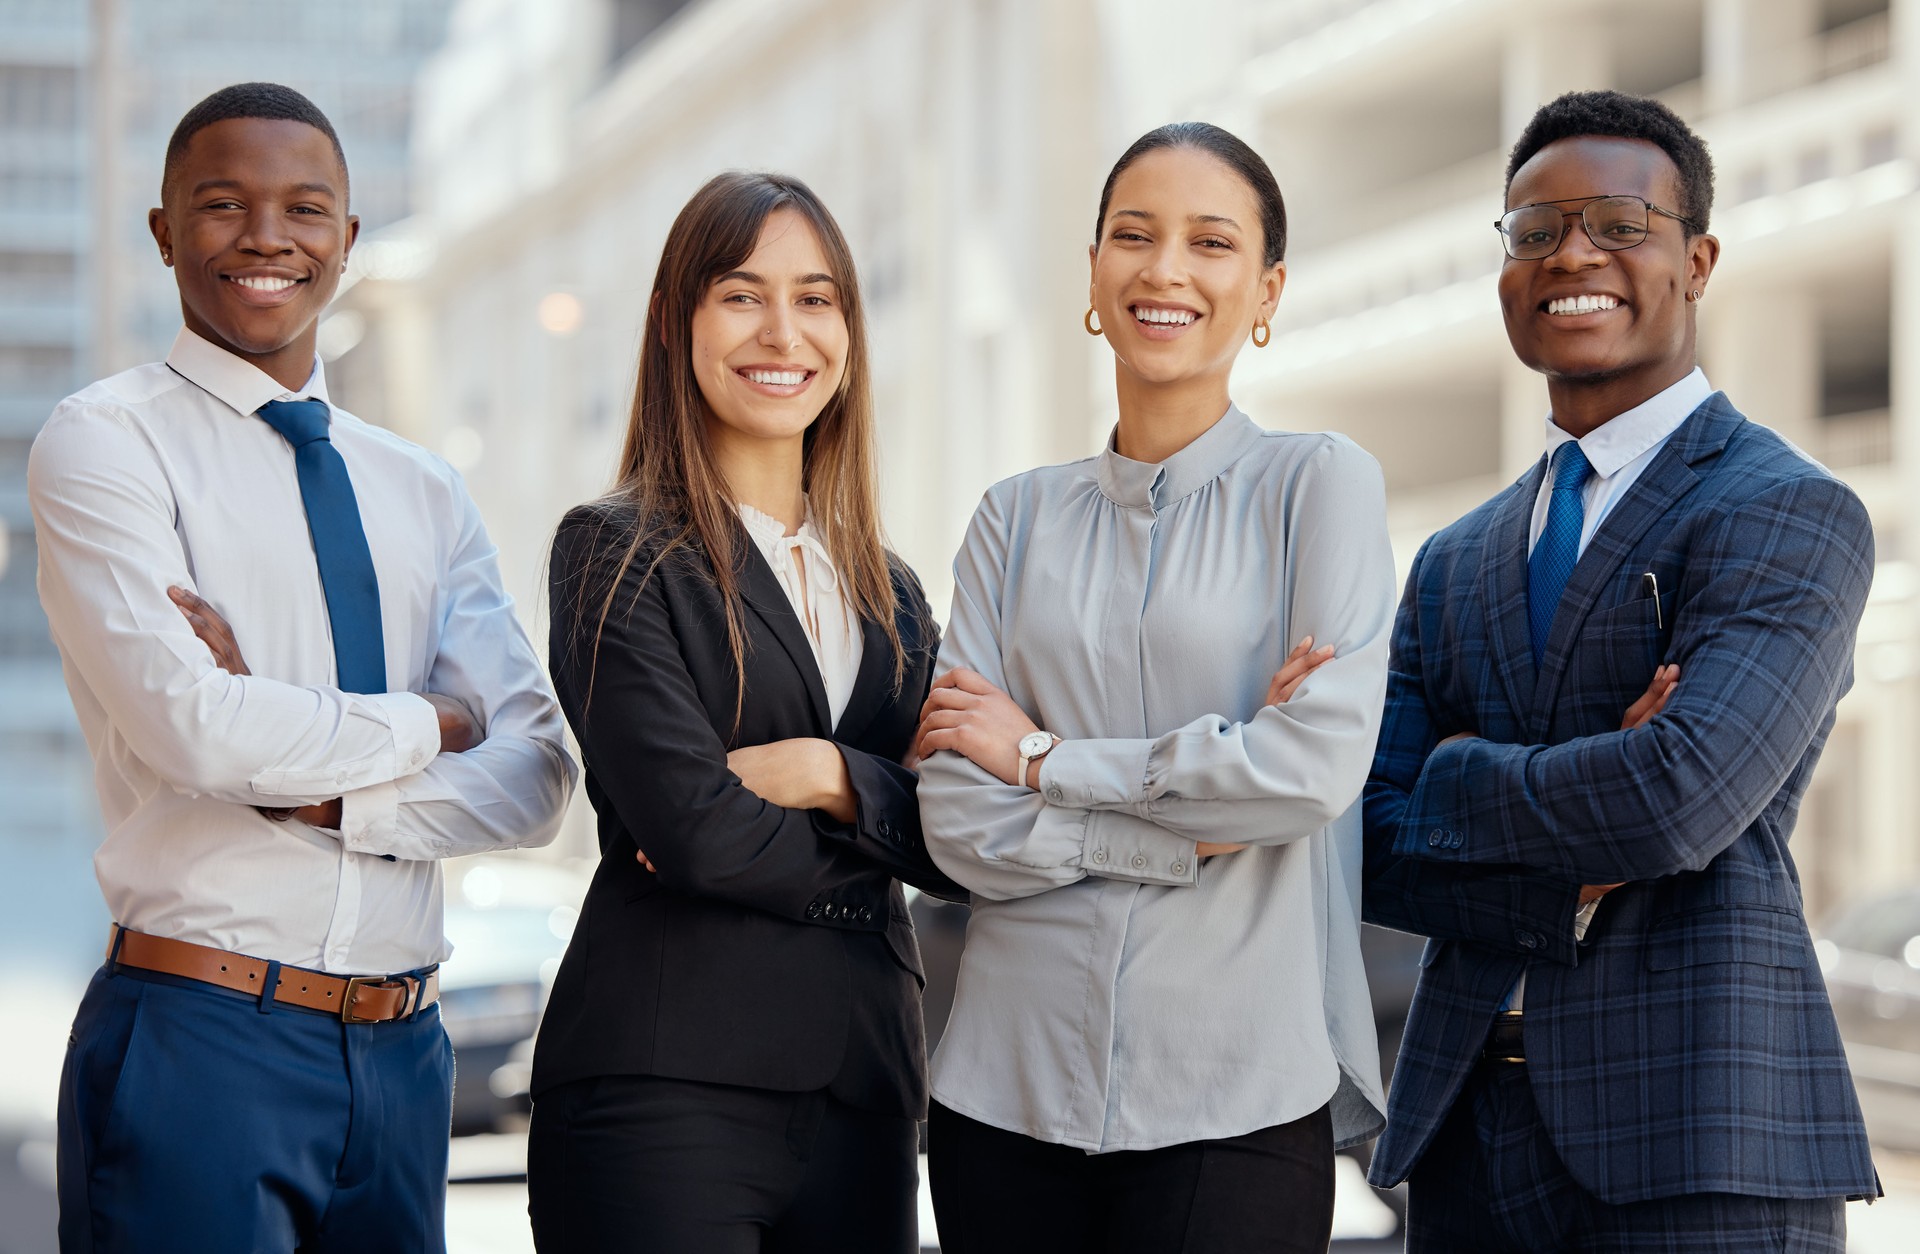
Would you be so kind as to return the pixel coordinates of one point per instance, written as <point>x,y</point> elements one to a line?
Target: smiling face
<point>1608,329</point>
<point>256,226</point>
<point>1178,279</point>
<point>769,340</point>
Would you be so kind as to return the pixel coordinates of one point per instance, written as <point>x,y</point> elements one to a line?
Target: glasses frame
<point>1566,228</point>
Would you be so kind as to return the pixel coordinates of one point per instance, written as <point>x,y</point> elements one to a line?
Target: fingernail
<point>1304,642</point>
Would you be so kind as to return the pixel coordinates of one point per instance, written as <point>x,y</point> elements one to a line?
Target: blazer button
<point>1433,839</point>
<point>866,915</point>
<point>886,828</point>
<point>833,910</point>
<point>1527,940</point>
<point>813,909</point>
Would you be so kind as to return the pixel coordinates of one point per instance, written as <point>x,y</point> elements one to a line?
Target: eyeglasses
<point>1613,223</point>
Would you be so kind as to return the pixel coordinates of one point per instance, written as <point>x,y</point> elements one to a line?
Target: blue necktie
<point>339,543</point>
<point>1558,548</point>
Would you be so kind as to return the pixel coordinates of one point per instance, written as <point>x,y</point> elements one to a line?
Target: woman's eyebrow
<point>1210,218</point>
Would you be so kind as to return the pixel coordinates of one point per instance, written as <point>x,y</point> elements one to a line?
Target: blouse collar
<point>770,535</point>
<point>1157,485</point>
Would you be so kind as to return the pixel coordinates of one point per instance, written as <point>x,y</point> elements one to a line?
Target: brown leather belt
<point>355,998</point>
<point>1504,1039</point>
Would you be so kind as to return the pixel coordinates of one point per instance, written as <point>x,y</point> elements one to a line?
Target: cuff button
<point>1099,855</point>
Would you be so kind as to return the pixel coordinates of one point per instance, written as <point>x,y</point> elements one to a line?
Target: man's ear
<point>353,233</point>
<point>1702,255</point>
<point>162,233</point>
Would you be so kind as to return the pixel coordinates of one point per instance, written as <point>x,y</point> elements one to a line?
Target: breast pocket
<point>1620,648</point>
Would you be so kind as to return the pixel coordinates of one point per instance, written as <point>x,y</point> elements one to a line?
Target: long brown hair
<point>667,475</point>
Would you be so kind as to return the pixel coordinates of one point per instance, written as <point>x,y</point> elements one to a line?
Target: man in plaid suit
<point>1608,688</point>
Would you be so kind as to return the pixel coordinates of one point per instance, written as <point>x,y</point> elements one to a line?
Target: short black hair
<point>270,101</point>
<point>1618,115</point>
<point>1230,149</point>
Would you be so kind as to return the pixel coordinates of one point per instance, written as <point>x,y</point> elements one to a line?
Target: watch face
<point>1034,744</point>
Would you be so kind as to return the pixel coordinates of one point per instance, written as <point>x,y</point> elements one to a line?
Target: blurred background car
<point>1869,951</point>
<point>508,919</point>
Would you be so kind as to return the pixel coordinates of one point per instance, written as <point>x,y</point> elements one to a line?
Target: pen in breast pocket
<point>1652,584</point>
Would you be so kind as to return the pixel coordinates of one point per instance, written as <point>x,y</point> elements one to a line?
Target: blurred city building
<point>89,92</point>
<point>962,145</point>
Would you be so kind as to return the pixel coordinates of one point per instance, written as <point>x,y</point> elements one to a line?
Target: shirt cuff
<point>1120,846</point>
<point>416,730</point>
<point>369,818</point>
<point>1081,773</point>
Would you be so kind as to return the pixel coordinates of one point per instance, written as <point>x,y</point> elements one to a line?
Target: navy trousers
<point>1491,1183</point>
<point>191,1121</point>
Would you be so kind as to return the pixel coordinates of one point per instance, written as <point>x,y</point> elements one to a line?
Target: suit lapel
<point>1504,592</point>
<point>760,589</point>
<point>871,687</point>
<point>1666,479</point>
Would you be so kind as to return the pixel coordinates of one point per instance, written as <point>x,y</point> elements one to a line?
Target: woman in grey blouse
<point>1162,1029</point>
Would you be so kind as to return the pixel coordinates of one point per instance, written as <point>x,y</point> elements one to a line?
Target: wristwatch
<point>1033,745</point>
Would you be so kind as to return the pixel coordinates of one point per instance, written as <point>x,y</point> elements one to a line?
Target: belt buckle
<point>354,984</point>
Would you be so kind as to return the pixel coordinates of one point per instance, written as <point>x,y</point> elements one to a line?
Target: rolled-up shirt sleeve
<point>108,551</point>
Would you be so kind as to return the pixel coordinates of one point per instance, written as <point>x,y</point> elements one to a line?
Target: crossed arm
<point>1764,630</point>
<point>1147,808</point>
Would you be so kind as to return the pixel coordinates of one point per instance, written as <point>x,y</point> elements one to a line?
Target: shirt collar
<point>1615,443</point>
<point>231,379</point>
<point>1156,485</point>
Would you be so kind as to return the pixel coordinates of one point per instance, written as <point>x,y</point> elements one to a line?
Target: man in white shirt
<point>260,1065</point>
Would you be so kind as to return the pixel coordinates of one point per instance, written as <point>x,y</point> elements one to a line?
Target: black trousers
<point>644,1163</point>
<point>1491,1183</point>
<point>998,1192</point>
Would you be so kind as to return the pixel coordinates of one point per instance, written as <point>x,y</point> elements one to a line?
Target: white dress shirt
<point>162,475</point>
<point>812,583</point>
<point>1619,449</point>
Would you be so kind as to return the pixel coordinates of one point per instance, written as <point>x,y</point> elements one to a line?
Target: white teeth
<point>265,284</point>
<point>1581,304</point>
<point>778,378</point>
<point>1168,317</point>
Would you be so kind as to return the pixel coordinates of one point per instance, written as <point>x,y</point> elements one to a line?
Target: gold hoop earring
<point>1262,333</point>
<point>1093,328</point>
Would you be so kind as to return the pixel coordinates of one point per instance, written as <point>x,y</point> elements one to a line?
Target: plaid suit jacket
<point>1687,1045</point>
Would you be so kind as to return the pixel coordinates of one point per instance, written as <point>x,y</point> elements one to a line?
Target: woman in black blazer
<point>732,1058</point>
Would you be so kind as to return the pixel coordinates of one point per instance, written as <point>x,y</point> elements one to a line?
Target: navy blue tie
<point>1558,548</point>
<point>339,543</point>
